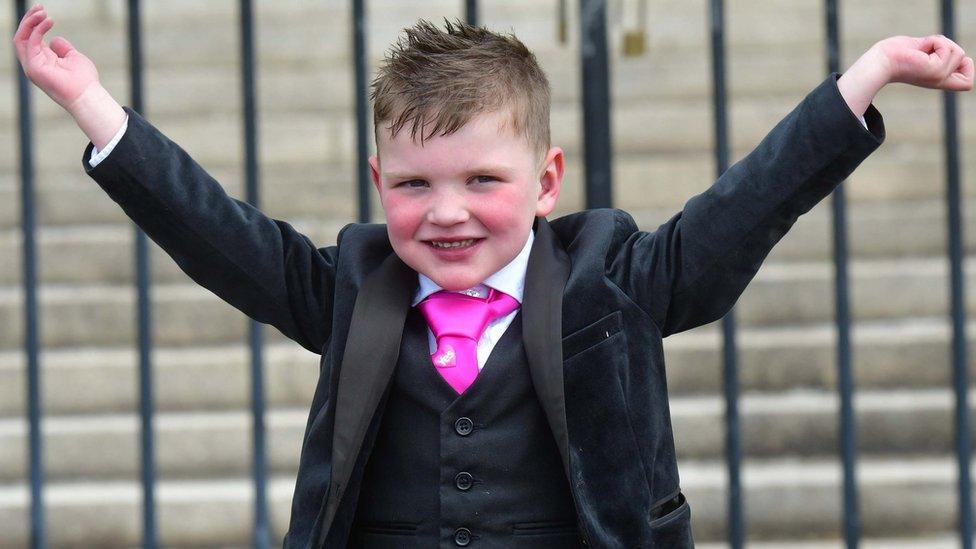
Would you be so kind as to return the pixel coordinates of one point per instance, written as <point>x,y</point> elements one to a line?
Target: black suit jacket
<point>599,297</point>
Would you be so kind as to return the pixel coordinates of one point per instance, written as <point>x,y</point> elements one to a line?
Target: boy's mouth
<point>449,244</point>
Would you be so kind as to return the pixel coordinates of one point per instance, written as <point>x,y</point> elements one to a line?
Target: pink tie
<point>458,320</point>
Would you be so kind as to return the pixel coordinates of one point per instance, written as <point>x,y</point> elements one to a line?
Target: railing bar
<point>597,149</point>
<point>31,314</point>
<point>471,11</point>
<point>730,374</point>
<point>362,130</point>
<point>960,374</point>
<point>144,312</point>
<point>850,518</point>
<point>261,534</point>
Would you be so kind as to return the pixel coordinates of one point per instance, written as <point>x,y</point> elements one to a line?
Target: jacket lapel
<point>370,356</point>
<point>545,280</point>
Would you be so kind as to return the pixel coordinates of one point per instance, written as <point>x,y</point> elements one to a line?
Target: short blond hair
<point>435,81</point>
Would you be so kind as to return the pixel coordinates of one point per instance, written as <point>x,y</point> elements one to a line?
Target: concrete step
<point>69,197</point>
<point>652,186</point>
<point>291,34</point>
<point>98,380</point>
<point>805,424</point>
<point>665,76</point>
<point>85,380</point>
<point>936,541</point>
<point>790,293</point>
<point>645,128</point>
<point>785,499</point>
<point>798,498</point>
<point>214,513</point>
<point>206,444</point>
<point>895,356</point>
<point>186,314</point>
<point>188,445</point>
<point>103,253</point>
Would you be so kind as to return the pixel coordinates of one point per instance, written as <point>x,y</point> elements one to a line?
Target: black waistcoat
<point>480,469</point>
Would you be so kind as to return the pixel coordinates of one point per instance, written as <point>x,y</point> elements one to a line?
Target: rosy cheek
<point>402,217</point>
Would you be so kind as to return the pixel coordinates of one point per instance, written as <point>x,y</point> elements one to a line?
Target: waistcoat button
<point>463,481</point>
<point>462,537</point>
<point>463,426</point>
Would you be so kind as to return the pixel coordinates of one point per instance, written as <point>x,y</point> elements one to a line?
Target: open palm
<point>930,62</point>
<point>59,69</point>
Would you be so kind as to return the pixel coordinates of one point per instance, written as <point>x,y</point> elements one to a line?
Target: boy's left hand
<point>929,62</point>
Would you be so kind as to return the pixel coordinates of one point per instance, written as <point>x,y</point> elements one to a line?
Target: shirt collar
<point>510,279</point>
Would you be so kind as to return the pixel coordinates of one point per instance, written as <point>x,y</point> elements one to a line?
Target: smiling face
<point>459,207</point>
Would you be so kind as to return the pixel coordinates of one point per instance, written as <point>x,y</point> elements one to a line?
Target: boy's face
<point>460,206</point>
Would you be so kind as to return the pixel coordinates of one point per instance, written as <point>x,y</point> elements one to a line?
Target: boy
<point>488,378</point>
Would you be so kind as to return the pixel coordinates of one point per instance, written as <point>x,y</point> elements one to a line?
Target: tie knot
<point>451,313</point>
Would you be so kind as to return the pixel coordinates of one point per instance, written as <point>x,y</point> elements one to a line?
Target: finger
<point>962,78</point>
<point>35,42</point>
<point>938,46</point>
<point>33,9</point>
<point>23,33</point>
<point>950,41</point>
<point>956,55</point>
<point>61,46</point>
<point>27,24</point>
<point>966,68</point>
<point>929,44</point>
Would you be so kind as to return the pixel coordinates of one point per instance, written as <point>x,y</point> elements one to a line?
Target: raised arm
<point>67,77</point>
<point>262,266</point>
<point>691,270</point>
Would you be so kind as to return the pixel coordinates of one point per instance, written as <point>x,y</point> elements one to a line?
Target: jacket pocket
<point>542,528</point>
<point>673,528</point>
<point>384,535</point>
<point>592,335</point>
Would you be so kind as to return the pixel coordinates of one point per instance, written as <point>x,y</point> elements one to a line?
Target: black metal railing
<point>730,359</point>
<point>31,312</point>
<point>960,370</point>
<point>851,517</point>
<point>596,96</point>
<point>144,310</point>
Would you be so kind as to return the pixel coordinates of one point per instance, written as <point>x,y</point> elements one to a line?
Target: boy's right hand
<point>59,69</point>
<point>66,76</point>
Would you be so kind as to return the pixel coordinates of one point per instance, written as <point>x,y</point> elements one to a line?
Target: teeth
<point>458,244</point>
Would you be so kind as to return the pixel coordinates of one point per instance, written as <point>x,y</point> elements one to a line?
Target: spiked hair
<point>434,81</point>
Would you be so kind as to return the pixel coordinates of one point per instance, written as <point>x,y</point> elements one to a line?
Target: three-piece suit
<point>565,437</point>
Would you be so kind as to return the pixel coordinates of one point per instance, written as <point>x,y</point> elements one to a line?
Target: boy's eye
<point>484,178</point>
<point>414,183</point>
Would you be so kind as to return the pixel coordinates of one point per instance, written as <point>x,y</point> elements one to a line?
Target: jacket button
<point>463,426</point>
<point>463,481</point>
<point>462,537</point>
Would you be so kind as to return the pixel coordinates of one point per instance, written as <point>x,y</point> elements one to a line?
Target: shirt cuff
<point>98,155</point>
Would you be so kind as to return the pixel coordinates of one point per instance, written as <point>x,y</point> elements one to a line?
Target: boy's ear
<point>550,181</point>
<point>374,171</point>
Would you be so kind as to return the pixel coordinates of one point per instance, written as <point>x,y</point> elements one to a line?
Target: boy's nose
<point>447,211</point>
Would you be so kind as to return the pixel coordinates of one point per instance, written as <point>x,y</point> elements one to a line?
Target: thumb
<point>61,47</point>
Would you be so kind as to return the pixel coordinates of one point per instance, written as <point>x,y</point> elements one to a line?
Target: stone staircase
<point>662,141</point>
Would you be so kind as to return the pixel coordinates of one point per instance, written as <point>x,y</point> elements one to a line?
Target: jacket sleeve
<point>262,266</point>
<point>692,269</point>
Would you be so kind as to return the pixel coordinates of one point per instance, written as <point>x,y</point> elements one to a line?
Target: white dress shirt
<point>97,156</point>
